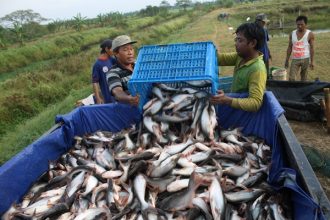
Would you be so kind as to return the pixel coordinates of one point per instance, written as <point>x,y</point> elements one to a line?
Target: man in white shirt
<point>301,50</point>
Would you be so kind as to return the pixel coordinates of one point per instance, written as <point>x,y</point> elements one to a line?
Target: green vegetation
<point>47,76</point>
<point>13,141</point>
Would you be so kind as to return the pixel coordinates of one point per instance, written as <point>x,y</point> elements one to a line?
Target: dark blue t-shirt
<point>100,68</point>
<point>265,49</point>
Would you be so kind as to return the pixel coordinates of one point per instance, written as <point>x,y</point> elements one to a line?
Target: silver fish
<point>217,200</point>
<point>167,88</point>
<point>159,184</point>
<point>201,204</point>
<point>177,148</point>
<point>178,185</point>
<point>158,93</point>
<point>243,196</point>
<point>140,188</point>
<point>153,128</point>
<point>176,100</point>
<point>182,200</point>
<point>41,206</point>
<point>197,114</point>
<point>199,83</point>
<point>224,133</point>
<point>154,108</point>
<point>129,145</point>
<point>165,167</point>
<point>94,213</point>
<point>149,103</point>
<point>75,184</point>
<point>171,118</point>
<point>111,174</point>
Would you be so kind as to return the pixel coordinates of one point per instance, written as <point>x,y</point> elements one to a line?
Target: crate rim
<point>196,42</point>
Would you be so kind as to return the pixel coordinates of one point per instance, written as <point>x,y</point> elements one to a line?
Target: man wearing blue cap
<point>121,72</point>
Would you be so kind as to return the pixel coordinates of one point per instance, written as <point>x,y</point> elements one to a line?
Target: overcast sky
<point>66,9</point>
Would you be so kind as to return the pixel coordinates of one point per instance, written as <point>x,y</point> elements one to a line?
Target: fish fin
<point>243,187</point>
<point>152,210</point>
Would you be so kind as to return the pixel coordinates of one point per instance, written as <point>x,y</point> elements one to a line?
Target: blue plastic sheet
<point>19,173</point>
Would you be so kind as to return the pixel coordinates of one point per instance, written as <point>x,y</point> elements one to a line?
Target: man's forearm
<point>96,90</point>
<point>312,54</point>
<point>121,96</point>
<point>288,53</point>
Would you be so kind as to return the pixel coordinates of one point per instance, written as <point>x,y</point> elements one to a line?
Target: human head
<point>249,37</point>
<point>301,22</point>
<point>106,46</point>
<point>262,19</point>
<point>121,41</point>
<point>123,49</point>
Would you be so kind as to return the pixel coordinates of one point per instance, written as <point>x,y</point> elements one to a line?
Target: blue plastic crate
<point>173,64</point>
<point>225,83</point>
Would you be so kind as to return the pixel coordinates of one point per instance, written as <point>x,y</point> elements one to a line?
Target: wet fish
<point>178,185</point>
<point>243,196</point>
<point>165,167</point>
<point>182,200</point>
<point>217,200</point>
<point>94,213</point>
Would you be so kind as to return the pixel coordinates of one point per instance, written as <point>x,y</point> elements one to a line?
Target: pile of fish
<point>176,164</point>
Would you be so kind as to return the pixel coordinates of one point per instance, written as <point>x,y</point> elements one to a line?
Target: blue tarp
<point>19,173</point>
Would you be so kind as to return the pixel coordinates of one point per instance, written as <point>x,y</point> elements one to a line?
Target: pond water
<point>279,33</point>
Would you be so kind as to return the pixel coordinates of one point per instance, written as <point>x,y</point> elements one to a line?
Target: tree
<point>165,4</point>
<point>17,20</point>
<point>101,19</point>
<point>183,3</point>
<point>79,22</point>
<point>55,25</point>
<point>116,19</point>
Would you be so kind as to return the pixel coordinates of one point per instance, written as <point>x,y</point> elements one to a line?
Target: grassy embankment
<point>59,84</point>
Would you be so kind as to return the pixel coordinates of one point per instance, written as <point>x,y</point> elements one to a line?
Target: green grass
<point>30,131</point>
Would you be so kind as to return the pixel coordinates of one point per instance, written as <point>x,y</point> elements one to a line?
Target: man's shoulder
<point>310,34</point>
<point>258,66</point>
<point>115,68</point>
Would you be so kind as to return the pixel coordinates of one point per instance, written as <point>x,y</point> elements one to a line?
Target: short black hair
<point>302,18</point>
<point>253,31</point>
<point>105,44</point>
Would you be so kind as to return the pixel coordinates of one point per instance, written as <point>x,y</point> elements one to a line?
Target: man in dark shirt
<point>102,65</point>
<point>261,19</point>
<point>121,72</point>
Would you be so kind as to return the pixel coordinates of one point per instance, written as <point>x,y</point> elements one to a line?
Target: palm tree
<point>101,19</point>
<point>79,22</point>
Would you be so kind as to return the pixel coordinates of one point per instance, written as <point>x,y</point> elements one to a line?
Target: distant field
<point>209,28</point>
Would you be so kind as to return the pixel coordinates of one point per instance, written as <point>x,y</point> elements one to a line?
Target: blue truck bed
<point>290,169</point>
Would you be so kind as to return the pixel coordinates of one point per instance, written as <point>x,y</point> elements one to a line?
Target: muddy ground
<point>315,135</point>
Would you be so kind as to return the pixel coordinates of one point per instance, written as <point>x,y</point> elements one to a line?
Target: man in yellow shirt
<point>250,73</point>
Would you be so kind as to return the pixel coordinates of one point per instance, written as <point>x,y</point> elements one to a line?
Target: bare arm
<point>311,49</point>
<point>121,96</point>
<point>96,90</point>
<point>288,52</point>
